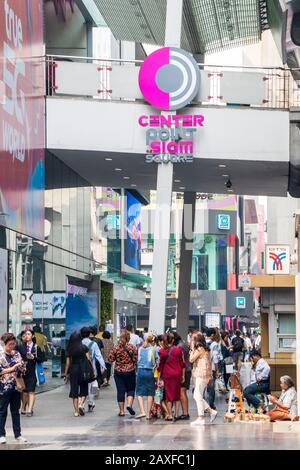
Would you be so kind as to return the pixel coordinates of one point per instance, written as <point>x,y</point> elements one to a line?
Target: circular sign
<point>169,79</point>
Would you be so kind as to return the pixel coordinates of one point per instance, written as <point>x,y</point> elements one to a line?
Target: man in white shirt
<point>96,356</point>
<point>135,340</point>
<point>262,377</point>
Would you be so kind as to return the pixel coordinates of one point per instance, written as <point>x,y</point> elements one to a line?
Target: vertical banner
<point>22,116</point>
<point>81,307</point>
<point>3,290</point>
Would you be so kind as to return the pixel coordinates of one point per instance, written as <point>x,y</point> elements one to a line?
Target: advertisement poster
<point>3,290</point>
<point>22,116</point>
<point>132,239</point>
<point>81,309</point>
<point>49,306</point>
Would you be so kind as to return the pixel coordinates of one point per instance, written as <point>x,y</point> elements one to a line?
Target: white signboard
<point>278,259</point>
<point>49,306</point>
<point>3,290</point>
<point>213,320</point>
<point>244,281</point>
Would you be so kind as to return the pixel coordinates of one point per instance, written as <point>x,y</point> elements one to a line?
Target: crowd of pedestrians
<point>157,370</point>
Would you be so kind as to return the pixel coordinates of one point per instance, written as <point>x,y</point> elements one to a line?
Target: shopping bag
<point>229,368</point>
<point>94,387</point>
<point>40,375</point>
<point>220,386</point>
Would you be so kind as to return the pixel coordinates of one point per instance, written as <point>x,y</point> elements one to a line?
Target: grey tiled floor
<point>54,427</point>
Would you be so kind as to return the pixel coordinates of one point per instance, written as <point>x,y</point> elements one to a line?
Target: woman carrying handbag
<point>125,357</point>
<point>78,364</point>
<point>11,384</point>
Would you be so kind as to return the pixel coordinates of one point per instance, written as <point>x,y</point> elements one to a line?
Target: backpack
<point>238,344</point>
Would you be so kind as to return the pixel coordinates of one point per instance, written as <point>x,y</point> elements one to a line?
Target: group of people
<point>160,369</point>
<point>163,368</point>
<point>18,379</point>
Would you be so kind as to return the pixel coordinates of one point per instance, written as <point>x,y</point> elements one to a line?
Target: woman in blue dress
<point>145,385</point>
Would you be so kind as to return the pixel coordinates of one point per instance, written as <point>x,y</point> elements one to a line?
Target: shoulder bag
<point>155,370</point>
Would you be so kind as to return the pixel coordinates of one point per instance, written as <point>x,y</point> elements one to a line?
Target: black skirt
<point>77,389</point>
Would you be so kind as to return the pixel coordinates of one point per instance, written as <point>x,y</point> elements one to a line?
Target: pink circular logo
<point>169,79</point>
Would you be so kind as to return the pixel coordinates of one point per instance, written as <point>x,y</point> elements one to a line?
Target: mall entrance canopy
<point>207,25</point>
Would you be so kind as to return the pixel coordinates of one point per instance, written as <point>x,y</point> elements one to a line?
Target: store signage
<point>240,303</point>
<point>245,281</point>
<point>223,222</point>
<point>278,259</point>
<point>170,138</point>
<point>169,80</point>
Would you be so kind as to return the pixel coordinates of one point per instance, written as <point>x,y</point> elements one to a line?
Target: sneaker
<point>213,416</point>
<point>21,440</point>
<point>91,408</point>
<point>3,440</point>
<point>198,422</point>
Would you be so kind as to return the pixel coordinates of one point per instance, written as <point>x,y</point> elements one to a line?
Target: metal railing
<point>280,88</point>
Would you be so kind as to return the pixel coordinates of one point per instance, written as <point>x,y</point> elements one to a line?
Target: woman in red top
<point>171,370</point>
<point>125,357</point>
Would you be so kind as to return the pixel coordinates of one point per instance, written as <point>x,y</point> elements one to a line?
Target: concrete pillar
<point>163,198</point>
<point>161,248</point>
<point>186,259</point>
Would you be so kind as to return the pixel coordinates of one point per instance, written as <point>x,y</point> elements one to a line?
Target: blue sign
<point>224,222</point>
<point>240,302</point>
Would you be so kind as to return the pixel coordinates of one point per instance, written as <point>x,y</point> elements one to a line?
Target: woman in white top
<point>286,405</point>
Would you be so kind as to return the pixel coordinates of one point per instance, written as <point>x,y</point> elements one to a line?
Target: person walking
<point>87,335</point>
<point>248,346</point>
<point>77,352</point>
<point>145,384</point>
<point>213,342</point>
<point>171,368</point>
<point>11,368</point>
<point>238,347</point>
<point>41,341</point>
<point>202,375</point>
<point>107,347</point>
<point>135,340</point>
<point>124,355</point>
<point>227,356</point>
<point>99,342</point>
<point>31,355</point>
<point>185,386</point>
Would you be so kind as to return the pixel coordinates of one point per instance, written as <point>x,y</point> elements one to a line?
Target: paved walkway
<point>54,427</point>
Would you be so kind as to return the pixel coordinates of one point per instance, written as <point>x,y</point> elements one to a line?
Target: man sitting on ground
<point>262,376</point>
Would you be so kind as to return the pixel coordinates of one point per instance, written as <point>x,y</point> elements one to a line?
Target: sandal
<point>168,418</point>
<point>121,415</point>
<point>130,410</point>
<point>76,415</point>
<point>140,416</point>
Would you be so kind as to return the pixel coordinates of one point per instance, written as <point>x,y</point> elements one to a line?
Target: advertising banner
<point>132,238</point>
<point>22,116</point>
<point>81,308</point>
<point>3,290</point>
<point>50,306</point>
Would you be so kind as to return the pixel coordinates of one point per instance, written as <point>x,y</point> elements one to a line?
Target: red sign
<point>22,116</point>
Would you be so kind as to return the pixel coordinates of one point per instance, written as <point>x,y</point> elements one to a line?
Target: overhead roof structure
<point>208,25</point>
<point>91,12</point>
